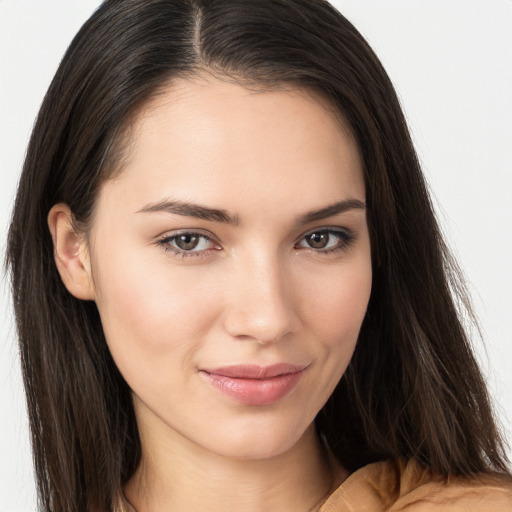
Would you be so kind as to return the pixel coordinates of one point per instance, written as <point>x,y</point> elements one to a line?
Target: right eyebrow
<point>191,210</point>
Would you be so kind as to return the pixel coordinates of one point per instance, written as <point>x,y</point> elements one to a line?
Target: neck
<point>183,476</point>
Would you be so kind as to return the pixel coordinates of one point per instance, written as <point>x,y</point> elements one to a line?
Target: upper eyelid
<point>201,231</point>
<point>325,228</point>
<point>195,231</point>
<point>328,229</point>
<point>168,236</point>
<point>208,234</point>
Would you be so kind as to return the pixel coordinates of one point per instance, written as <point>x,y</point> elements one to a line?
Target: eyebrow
<point>218,215</point>
<point>192,210</point>
<point>331,210</point>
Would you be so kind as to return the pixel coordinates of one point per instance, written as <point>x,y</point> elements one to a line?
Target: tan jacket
<point>399,486</point>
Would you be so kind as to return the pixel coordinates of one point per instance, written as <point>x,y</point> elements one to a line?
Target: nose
<point>261,302</point>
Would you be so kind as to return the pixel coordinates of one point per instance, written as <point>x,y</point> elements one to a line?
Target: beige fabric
<point>399,486</point>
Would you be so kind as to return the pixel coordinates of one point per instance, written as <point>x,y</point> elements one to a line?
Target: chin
<point>256,441</point>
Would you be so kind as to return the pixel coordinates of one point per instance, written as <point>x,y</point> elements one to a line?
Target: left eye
<point>325,240</point>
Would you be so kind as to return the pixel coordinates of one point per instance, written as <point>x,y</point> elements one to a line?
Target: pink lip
<point>255,385</point>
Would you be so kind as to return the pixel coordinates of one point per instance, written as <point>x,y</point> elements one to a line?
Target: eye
<point>188,243</point>
<point>326,240</point>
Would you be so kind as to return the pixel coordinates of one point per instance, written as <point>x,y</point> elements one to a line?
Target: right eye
<point>188,243</point>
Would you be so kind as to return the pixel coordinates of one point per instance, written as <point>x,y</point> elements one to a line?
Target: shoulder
<point>396,486</point>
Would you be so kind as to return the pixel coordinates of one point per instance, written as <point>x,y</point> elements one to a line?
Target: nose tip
<point>261,310</point>
<point>253,327</point>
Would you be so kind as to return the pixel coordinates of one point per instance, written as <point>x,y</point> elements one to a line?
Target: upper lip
<point>251,371</point>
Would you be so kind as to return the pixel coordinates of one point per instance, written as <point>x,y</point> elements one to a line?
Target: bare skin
<point>234,236</point>
<point>299,479</point>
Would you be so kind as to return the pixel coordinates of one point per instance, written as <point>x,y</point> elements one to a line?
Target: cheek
<point>338,303</point>
<point>152,317</point>
<point>333,311</point>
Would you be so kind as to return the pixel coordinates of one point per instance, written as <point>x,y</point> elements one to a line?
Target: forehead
<point>201,138</point>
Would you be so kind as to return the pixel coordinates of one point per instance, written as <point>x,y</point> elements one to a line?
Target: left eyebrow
<point>331,210</point>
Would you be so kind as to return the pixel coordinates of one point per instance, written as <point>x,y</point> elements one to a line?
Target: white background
<point>451,61</point>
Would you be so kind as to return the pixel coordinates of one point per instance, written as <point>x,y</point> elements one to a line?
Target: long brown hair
<point>412,389</point>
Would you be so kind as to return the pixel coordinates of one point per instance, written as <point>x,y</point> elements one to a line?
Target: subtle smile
<point>255,385</point>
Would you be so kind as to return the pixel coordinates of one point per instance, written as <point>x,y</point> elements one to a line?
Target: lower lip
<point>255,391</point>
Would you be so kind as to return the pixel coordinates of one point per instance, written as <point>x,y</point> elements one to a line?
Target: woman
<point>229,284</point>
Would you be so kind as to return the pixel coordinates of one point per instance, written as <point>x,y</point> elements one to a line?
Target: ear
<point>71,253</point>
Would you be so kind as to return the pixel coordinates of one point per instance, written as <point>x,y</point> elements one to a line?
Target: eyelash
<point>346,238</point>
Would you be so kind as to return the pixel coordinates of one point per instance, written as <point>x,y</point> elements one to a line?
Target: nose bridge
<point>261,303</point>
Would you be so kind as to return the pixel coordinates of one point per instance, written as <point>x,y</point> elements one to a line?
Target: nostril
<point>264,324</point>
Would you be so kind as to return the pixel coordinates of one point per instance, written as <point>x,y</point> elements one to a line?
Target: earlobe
<point>71,253</point>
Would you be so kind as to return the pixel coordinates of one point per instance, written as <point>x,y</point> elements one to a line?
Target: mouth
<point>255,385</point>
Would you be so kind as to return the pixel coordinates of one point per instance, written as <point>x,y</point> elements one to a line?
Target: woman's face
<point>231,265</point>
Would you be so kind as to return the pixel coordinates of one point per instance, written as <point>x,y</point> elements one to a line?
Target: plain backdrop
<point>451,62</point>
